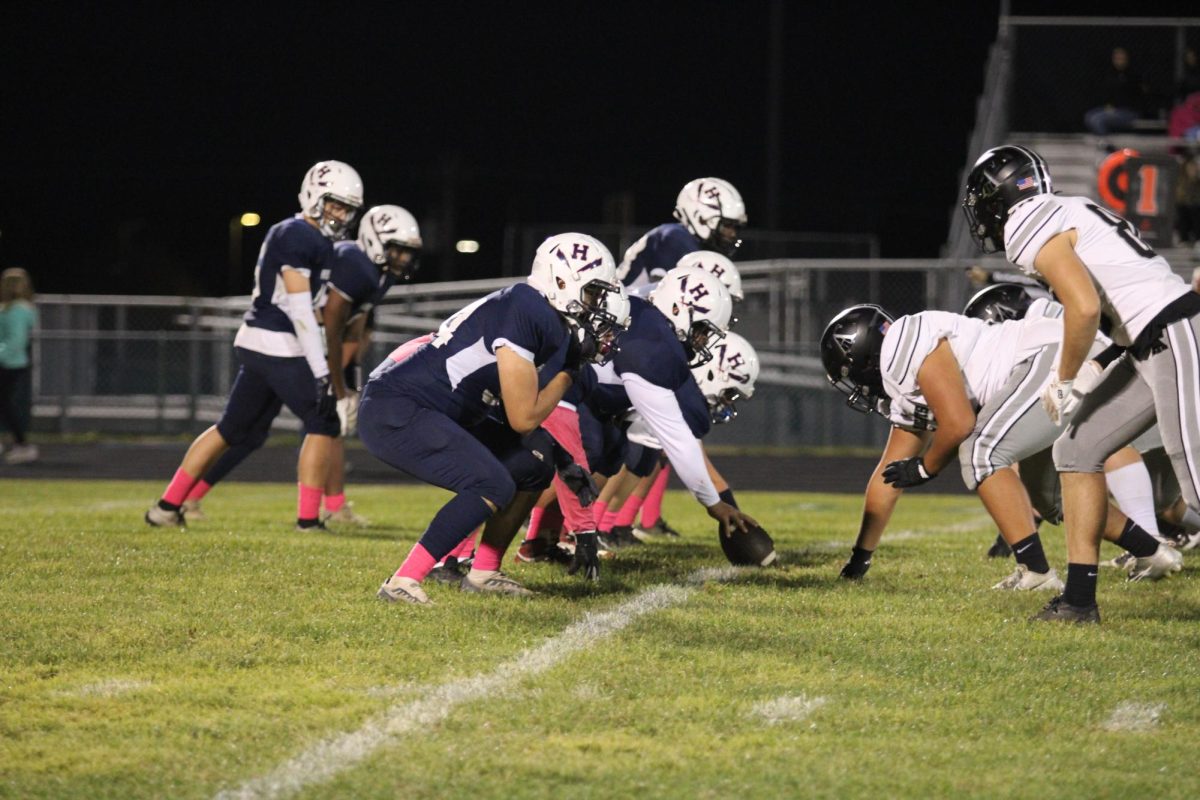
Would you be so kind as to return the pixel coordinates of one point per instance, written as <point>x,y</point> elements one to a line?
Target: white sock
<point>1131,488</point>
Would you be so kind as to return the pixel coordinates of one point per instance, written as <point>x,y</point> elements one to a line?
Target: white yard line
<point>328,757</point>
<point>108,688</point>
<point>1131,716</point>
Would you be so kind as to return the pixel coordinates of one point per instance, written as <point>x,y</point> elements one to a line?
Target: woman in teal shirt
<point>18,316</point>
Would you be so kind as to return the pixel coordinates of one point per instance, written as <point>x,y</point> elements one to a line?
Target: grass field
<point>243,659</point>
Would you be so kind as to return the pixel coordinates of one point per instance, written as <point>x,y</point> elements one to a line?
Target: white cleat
<point>493,583</point>
<point>345,516</point>
<point>21,454</point>
<point>1025,580</point>
<point>1123,561</point>
<point>191,510</point>
<point>403,590</point>
<point>1163,562</point>
<point>162,518</point>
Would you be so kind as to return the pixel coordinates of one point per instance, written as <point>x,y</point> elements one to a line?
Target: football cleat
<point>534,551</point>
<point>403,590</point>
<point>191,510</point>
<point>447,571</point>
<point>1123,561</point>
<point>999,548</point>
<point>657,530</point>
<point>160,517</point>
<point>1059,610</point>
<point>21,454</point>
<point>345,516</point>
<point>1024,579</point>
<point>494,583</point>
<point>1164,561</point>
<point>311,525</point>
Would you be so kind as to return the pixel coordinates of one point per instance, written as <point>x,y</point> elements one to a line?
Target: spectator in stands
<point>18,318</point>
<point>1189,83</point>
<point>1187,202</point>
<point>1124,94</point>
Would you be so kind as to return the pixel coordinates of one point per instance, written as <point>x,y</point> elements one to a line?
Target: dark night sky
<point>132,136</point>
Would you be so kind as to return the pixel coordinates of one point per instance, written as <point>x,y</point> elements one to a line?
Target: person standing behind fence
<point>280,348</point>
<point>1123,95</point>
<point>18,318</point>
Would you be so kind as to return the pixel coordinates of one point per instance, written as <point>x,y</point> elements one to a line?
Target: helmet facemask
<point>331,225</point>
<point>721,406</point>
<point>702,336</point>
<point>401,260</point>
<point>594,314</point>
<point>725,236</point>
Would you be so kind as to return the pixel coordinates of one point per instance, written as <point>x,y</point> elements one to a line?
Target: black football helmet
<point>1001,178</point>
<point>1003,301</point>
<point>850,348</point>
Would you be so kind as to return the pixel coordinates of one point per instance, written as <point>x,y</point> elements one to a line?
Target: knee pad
<point>1073,455</point>
<point>498,487</point>
<point>640,460</point>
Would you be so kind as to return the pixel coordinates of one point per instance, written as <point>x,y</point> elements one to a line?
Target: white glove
<point>347,411</point>
<point>1060,399</point>
<point>1088,376</point>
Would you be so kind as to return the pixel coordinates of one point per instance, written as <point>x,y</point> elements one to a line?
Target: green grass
<point>158,663</point>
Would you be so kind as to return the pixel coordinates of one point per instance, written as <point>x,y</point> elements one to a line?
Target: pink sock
<point>198,491</point>
<point>487,557</point>
<point>309,504</point>
<point>652,506</point>
<point>606,524</point>
<point>418,564</point>
<point>334,502</point>
<point>464,550</point>
<point>177,489</point>
<point>535,522</point>
<point>599,509</point>
<point>628,512</point>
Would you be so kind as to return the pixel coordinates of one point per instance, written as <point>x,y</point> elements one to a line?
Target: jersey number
<point>1124,229</point>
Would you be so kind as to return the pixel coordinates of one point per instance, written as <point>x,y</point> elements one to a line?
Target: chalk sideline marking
<point>789,708</point>
<point>1131,716</point>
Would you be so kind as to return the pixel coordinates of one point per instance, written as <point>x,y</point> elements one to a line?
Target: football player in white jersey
<point>951,384</point>
<point>1097,265</point>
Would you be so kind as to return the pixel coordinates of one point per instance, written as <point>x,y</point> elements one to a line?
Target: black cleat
<point>1059,610</point>
<point>448,571</point>
<point>999,548</point>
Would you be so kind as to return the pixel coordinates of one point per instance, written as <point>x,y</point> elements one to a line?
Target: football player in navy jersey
<point>463,411</point>
<point>710,215</point>
<point>388,249</point>
<point>279,345</point>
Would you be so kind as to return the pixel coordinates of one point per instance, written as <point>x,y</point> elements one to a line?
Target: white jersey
<point>1134,283</point>
<point>985,353</point>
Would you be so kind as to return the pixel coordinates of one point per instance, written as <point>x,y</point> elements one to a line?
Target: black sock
<point>860,557</point>
<point>1081,584</point>
<point>1029,552</point>
<point>1136,540</point>
<point>727,497</point>
<point>165,506</point>
<point>308,523</point>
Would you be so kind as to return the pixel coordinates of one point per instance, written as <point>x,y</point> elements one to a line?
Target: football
<point>752,548</point>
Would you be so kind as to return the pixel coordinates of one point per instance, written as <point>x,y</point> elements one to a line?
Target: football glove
<point>587,556</point>
<point>347,411</point>
<point>581,349</point>
<point>907,473</point>
<point>580,482</point>
<point>1060,399</point>
<point>326,400</point>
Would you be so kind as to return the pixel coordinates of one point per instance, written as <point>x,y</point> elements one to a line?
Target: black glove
<point>353,377</point>
<point>326,400</point>
<point>581,349</point>
<point>580,482</point>
<point>907,473</point>
<point>857,566</point>
<point>587,556</point>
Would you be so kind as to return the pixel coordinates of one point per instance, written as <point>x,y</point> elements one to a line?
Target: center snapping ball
<point>751,548</point>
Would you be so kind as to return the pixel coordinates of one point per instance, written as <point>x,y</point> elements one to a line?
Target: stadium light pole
<point>236,226</point>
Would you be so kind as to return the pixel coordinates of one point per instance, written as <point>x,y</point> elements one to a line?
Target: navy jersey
<point>358,279</point>
<point>650,257</point>
<point>650,350</point>
<point>456,372</point>
<point>292,243</point>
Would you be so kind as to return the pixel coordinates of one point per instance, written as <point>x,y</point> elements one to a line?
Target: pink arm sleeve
<point>563,425</point>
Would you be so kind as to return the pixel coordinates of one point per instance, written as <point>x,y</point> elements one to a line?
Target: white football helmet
<point>333,180</point>
<point>718,265</point>
<point>391,238</point>
<point>699,308</point>
<point>577,274</point>
<point>729,377</point>
<point>713,211</point>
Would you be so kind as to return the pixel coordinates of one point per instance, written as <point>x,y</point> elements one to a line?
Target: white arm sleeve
<point>300,311</point>
<point>660,409</point>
